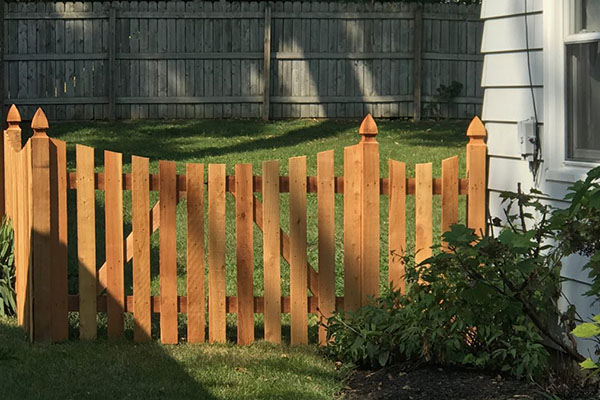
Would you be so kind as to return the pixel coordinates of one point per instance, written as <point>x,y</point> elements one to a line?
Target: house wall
<point>507,100</point>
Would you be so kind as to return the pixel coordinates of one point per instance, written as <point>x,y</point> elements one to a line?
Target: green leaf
<point>586,330</point>
<point>588,364</point>
<point>383,358</point>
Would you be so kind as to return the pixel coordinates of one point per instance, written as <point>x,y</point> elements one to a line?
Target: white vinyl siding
<point>507,100</point>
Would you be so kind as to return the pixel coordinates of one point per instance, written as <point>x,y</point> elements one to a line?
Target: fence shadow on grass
<point>98,369</point>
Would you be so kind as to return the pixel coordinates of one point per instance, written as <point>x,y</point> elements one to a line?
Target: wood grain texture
<point>195,253</point>
<point>352,225</point>
<point>449,194</point>
<point>244,252</point>
<point>168,253</point>
<point>370,232</point>
<point>271,251</point>
<point>326,238</point>
<point>41,240</point>
<point>397,225</point>
<point>59,229</point>
<point>298,272</point>
<point>140,203</point>
<point>216,253</point>
<point>86,241</point>
<point>423,212</point>
<point>113,204</point>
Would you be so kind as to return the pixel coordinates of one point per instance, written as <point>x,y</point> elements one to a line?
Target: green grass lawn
<point>103,369</point>
<point>122,370</point>
<point>232,142</point>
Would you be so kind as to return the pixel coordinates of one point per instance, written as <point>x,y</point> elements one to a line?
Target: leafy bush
<point>486,302</point>
<point>8,305</point>
<point>578,226</point>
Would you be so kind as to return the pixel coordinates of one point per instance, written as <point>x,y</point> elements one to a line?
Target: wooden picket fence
<point>35,188</point>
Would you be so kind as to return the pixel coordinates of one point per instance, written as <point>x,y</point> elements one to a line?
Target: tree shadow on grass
<point>184,141</point>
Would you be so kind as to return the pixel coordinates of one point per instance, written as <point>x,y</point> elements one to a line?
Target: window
<point>583,81</point>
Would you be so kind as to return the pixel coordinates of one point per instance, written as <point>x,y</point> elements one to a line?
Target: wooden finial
<point>39,123</point>
<point>368,129</point>
<point>14,117</point>
<point>476,130</point>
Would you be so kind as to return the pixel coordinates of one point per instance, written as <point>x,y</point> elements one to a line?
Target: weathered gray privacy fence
<point>199,59</point>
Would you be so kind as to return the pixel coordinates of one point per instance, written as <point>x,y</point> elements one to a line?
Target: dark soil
<point>430,383</point>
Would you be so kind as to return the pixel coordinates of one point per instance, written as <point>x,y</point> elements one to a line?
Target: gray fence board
<point>195,59</point>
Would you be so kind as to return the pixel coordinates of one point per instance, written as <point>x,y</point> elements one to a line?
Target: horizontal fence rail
<point>35,197</point>
<point>224,59</point>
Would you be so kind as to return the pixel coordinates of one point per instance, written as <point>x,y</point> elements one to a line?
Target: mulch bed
<point>405,382</point>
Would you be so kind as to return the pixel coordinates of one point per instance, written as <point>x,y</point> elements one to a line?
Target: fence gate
<point>35,197</point>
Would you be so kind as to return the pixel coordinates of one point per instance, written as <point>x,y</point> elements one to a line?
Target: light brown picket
<point>326,238</point>
<point>41,230</point>
<point>352,223</point>
<point>86,241</point>
<point>59,230</point>
<point>168,253</point>
<point>397,225</point>
<point>271,251</point>
<point>244,253</point>
<point>113,204</point>
<point>216,253</point>
<point>449,194</point>
<point>298,272</point>
<point>423,212</point>
<point>369,210</point>
<point>196,309</point>
<point>140,203</point>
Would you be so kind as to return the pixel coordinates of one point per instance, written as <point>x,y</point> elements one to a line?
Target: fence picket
<point>41,240</point>
<point>298,271</point>
<point>59,232</point>
<point>352,221</point>
<point>423,212</point>
<point>244,253</point>
<point>449,194</point>
<point>86,241</point>
<point>196,308</point>
<point>113,203</point>
<point>140,203</point>
<point>168,253</point>
<point>271,251</point>
<point>397,225</point>
<point>326,238</point>
<point>216,253</point>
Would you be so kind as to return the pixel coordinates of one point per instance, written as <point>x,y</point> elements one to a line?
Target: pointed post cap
<point>14,117</point>
<point>39,124</point>
<point>476,130</point>
<point>368,129</point>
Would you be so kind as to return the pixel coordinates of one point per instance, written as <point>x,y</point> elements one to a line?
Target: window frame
<point>557,21</point>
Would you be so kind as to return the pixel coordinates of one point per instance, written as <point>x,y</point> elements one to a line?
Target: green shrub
<point>486,302</point>
<point>8,305</point>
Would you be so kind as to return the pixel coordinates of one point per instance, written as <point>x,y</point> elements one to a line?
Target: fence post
<point>267,64</point>
<point>369,226</point>
<point>112,54</point>
<point>476,173</point>
<point>417,62</point>
<point>48,234</point>
<point>11,142</point>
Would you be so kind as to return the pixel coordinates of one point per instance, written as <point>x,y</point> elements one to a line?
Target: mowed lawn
<point>231,142</point>
<point>104,369</point>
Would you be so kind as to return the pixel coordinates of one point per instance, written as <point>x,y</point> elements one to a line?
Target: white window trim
<point>558,168</point>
